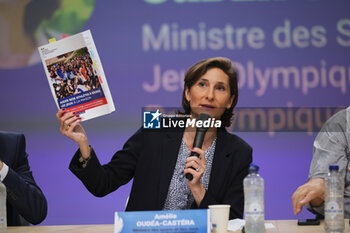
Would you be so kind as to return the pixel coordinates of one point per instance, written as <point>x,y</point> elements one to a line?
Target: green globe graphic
<point>28,24</point>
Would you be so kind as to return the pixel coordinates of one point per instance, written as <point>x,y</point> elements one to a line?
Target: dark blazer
<point>24,197</point>
<point>149,157</point>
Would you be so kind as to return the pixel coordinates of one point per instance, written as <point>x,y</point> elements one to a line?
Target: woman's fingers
<point>60,113</point>
<point>70,120</point>
<point>200,161</point>
<point>193,164</point>
<point>66,120</point>
<point>74,124</point>
<point>201,155</point>
<point>67,116</point>
<point>196,166</point>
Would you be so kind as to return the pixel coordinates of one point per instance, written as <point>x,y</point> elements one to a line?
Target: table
<point>281,226</point>
<point>63,228</point>
<point>291,226</point>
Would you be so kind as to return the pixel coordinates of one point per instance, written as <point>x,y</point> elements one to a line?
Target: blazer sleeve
<point>101,180</point>
<point>22,191</point>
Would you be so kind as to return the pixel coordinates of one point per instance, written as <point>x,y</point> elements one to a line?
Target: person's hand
<point>312,191</point>
<point>199,165</point>
<point>71,128</point>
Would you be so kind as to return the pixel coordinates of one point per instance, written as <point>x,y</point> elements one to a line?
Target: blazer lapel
<point>221,161</point>
<point>170,150</point>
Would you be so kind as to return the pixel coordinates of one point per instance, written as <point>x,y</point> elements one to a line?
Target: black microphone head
<point>203,117</point>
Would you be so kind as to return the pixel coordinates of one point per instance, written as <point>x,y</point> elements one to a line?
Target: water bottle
<point>254,201</point>
<point>3,219</point>
<point>334,201</point>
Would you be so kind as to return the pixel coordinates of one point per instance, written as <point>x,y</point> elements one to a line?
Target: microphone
<point>198,139</point>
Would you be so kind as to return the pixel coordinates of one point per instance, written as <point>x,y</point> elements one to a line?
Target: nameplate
<point>182,221</point>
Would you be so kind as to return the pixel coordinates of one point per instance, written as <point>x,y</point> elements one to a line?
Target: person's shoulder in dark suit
<point>26,202</point>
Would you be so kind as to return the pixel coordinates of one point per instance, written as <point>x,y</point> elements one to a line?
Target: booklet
<point>76,77</point>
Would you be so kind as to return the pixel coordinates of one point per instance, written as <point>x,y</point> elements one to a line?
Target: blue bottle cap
<point>253,168</point>
<point>333,167</point>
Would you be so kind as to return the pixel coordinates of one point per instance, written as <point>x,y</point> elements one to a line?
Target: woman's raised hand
<point>70,126</point>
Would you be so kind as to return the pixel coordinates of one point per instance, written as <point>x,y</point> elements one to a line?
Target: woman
<point>158,159</point>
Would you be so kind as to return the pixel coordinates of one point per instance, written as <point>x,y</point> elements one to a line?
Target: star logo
<point>156,115</point>
<point>151,119</point>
